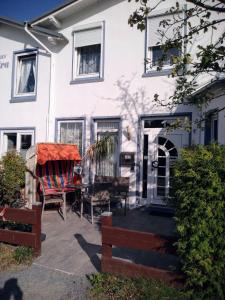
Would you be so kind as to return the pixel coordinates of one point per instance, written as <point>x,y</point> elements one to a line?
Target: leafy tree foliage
<point>199,183</point>
<point>193,18</point>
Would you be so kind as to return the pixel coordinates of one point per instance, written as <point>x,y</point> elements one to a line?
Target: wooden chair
<point>54,197</point>
<point>96,195</point>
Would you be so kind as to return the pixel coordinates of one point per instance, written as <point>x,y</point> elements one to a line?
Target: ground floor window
<point>71,132</point>
<point>211,128</point>
<point>109,165</point>
<point>17,140</point>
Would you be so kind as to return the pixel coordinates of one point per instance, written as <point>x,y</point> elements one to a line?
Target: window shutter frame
<point>153,36</point>
<point>88,37</point>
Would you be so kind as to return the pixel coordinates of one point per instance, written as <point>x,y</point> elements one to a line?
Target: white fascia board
<point>55,12</point>
<point>11,23</point>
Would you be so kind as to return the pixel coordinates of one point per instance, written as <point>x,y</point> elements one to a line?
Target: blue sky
<point>24,10</point>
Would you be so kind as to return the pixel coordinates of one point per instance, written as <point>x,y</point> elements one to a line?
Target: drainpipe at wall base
<point>26,28</point>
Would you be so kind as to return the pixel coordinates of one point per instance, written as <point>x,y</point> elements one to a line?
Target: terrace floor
<point>74,246</point>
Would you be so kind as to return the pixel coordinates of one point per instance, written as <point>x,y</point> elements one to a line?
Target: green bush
<point>111,287</point>
<point>12,178</point>
<point>199,183</point>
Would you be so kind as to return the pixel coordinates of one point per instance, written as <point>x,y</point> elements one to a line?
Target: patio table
<point>81,188</point>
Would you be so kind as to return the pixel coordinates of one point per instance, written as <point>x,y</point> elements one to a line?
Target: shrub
<point>106,286</point>
<point>12,178</point>
<point>199,183</point>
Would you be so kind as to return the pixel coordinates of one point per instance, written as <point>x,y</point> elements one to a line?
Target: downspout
<point>26,28</point>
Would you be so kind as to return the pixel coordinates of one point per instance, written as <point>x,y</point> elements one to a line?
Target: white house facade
<point>78,73</point>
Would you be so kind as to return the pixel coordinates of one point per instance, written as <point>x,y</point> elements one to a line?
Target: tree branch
<point>196,30</point>
<point>208,7</point>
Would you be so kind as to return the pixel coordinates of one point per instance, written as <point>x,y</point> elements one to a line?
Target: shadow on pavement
<point>91,250</point>
<point>11,288</point>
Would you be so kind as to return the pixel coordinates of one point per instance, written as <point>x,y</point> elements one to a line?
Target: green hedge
<point>199,183</point>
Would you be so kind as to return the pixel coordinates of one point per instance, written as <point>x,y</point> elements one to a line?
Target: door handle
<point>155,164</point>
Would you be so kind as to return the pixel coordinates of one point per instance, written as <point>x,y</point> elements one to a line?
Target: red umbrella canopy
<point>50,151</point>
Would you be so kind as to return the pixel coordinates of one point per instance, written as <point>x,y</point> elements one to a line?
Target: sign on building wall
<point>4,64</point>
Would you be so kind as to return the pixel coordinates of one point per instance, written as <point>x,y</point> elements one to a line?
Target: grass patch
<point>11,257</point>
<point>110,287</point>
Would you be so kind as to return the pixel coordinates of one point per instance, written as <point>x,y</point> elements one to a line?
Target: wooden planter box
<point>23,216</point>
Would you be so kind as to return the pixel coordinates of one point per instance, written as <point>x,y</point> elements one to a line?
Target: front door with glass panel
<point>160,151</point>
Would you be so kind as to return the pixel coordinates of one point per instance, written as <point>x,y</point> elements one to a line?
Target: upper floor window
<point>155,56</point>
<point>88,62</point>
<point>88,53</point>
<point>25,75</point>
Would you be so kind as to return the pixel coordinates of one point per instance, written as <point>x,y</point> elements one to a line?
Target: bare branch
<point>208,7</point>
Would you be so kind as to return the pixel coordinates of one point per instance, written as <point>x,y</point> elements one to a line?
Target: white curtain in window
<point>89,59</point>
<point>108,165</point>
<point>27,75</point>
<point>71,133</point>
<point>34,71</point>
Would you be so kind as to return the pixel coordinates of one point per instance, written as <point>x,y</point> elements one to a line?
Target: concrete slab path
<point>39,283</point>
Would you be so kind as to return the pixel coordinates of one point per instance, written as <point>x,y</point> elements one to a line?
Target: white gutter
<point>26,28</point>
<point>36,39</point>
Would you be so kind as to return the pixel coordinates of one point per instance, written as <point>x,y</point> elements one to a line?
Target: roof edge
<point>209,85</point>
<point>11,22</point>
<point>52,11</point>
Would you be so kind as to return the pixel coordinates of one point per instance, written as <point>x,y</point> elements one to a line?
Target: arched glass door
<point>166,156</point>
<point>160,150</point>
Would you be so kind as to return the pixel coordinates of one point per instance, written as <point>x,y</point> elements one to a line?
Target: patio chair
<point>54,197</point>
<point>96,195</point>
<point>54,176</point>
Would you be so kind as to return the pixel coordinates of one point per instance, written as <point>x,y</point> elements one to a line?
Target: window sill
<point>155,73</point>
<point>23,99</point>
<point>86,80</point>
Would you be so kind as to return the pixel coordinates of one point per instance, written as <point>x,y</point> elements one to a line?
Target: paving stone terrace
<point>74,246</point>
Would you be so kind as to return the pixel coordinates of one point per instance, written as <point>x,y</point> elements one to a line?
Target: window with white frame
<point>25,75</point>
<point>109,165</point>
<point>17,140</point>
<point>88,49</point>
<point>155,53</point>
<point>71,132</point>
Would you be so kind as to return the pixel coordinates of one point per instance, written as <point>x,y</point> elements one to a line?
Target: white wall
<point>23,114</point>
<point>124,92</point>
